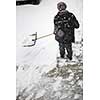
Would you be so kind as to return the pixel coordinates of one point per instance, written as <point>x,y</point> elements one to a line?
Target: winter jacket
<point>66,22</point>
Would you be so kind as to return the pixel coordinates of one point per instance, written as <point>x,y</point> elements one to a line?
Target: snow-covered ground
<point>34,63</point>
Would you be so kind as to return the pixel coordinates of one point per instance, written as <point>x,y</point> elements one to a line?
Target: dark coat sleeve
<point>56,20</point>
<point>75,22</point>
<point>55,24</point>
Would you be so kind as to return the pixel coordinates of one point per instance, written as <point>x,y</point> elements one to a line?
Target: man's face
<point>61,7</point>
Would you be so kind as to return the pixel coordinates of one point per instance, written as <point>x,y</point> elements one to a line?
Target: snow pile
<point>51,83</point>
<point>63,83</point>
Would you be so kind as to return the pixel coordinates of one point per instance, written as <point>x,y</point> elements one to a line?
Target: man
<point>65,24</point>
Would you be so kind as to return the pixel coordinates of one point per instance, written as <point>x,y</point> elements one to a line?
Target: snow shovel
<point>36,38</point>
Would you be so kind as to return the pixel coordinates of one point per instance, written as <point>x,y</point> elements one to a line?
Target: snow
<point>56,85</point>
<point>34,62</point>
<point>31,19</point>
<point>40,93</point>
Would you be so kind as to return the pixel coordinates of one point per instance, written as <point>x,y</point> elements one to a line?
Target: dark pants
<point>68,47</point>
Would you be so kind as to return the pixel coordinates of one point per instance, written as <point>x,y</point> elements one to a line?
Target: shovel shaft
<point>44,36</point>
